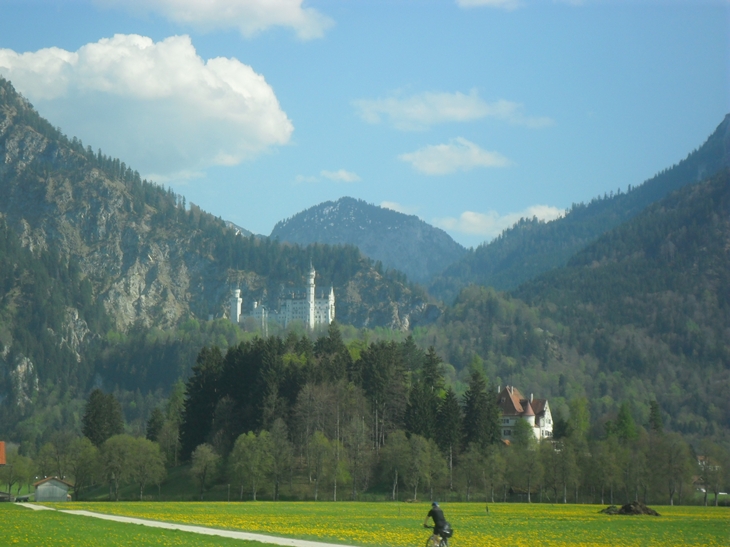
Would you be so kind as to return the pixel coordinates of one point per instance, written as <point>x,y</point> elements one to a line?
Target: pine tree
<point>102,418</point>
<point>481,413</point>
<point>449,429</point>
<point>154,424</point>
<point>425,397</point>
<point>202,395</point>
<point>655,417</point>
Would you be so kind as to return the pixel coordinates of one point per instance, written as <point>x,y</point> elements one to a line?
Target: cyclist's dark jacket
<point>438,519</point>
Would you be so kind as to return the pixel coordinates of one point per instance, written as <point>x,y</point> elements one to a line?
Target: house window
<point>505,420</point>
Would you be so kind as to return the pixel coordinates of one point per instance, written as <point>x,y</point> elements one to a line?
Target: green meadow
<point>22,526</point>
<point>385,524</point>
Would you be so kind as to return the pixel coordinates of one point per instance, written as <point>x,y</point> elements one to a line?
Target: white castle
<point>302,306</point>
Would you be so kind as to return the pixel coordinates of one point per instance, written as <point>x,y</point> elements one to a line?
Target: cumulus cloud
<point>489,225</point>
<point>158,105</point>
<point>458,155</point>
<point>421,111</point>
<point>503,4</point>
<point>249,17</point>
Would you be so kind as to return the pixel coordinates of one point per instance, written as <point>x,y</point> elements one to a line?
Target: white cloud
<point>421,111</point>
<point>503,4</point>
<point>459,155</point>
<point>489,225</point>
<point>340,176</point>
<point>397,207</point>
<point>248,16</point>
<point>335,176</point>
<point>157,105</point>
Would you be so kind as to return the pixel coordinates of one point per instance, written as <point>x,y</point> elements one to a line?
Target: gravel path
<point>194,529</point>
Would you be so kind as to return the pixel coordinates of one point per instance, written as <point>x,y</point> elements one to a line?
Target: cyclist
<point>439,522</point>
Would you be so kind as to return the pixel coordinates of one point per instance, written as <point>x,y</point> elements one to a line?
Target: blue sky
<point>467,113</point>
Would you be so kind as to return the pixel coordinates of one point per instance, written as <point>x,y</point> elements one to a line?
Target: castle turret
<point>236,302</point>
<point>331,306</point>
<point>310,296</point>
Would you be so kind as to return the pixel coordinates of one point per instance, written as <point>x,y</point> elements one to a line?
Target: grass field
<point>22,526</point>
<point>399,524</point>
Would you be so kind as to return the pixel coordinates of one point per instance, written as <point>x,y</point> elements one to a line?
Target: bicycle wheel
<point>430,542</point>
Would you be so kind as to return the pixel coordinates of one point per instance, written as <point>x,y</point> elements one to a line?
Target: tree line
<point>291,418</point>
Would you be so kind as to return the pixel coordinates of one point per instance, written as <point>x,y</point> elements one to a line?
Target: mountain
<point>532,247</point>
<point>401,242</point>
<point>108,280</point>
<point>641,314</point>
<point>151,259</point>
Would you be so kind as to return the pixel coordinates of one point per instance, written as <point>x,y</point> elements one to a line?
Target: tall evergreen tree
<point>481,413</point>
<point>384,382</point>
<point>655,417</point>
<point>449,430</point>
<point>425,397</point>
<point>102,418</point>
<point>202,394</point>
<point>155,424</point>
<point>625,427</point>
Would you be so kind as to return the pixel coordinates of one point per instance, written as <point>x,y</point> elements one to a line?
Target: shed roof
<point>47,479</point>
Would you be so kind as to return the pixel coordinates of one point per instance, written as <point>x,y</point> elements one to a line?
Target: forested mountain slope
<point>643,313</point>
<point>532,247</point>
<point>148,257</point>
<point>399,241</point>
<point>651,299</point>
<point>95,262</point>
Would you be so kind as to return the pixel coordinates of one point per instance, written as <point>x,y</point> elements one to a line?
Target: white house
<point>515,406</point>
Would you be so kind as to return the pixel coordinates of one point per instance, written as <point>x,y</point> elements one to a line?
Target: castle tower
<point>331,306</point>
<point>236,302</point>
<point>310,296</point>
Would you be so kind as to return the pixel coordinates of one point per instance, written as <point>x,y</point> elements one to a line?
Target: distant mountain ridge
<point>402,242</point>
<point>532,247</point>
<point>640,314</point>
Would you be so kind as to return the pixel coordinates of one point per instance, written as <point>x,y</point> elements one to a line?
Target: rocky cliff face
<point>151,262</point>
<point>402,242</point>
<point>54,198</point>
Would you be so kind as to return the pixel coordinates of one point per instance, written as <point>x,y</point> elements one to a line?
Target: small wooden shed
<point>52,489</point>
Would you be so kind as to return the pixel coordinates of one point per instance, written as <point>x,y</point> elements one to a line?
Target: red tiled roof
<point>538,405</point>
<point>512,403</point>
<point>509,401</point>
<point>528,409</point>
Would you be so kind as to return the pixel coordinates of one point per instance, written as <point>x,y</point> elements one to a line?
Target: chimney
<point>530,397</point>
<point>499,389</point>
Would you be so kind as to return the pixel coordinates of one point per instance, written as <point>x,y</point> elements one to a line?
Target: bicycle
<point>440,542</point>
